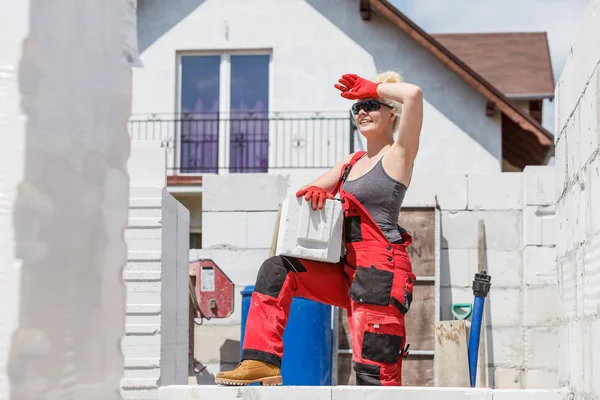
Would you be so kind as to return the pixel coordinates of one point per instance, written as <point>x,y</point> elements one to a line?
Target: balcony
<point>213,143</point>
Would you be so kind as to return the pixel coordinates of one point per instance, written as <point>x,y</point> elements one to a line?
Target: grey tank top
<point>381,196</point>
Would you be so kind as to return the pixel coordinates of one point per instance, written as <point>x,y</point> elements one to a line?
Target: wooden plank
<point>417,371</point>
<point>420,319</point>
<point>451,354</point>
<point>275,236</point>
<point>420,223</point>
<point>346,375</point>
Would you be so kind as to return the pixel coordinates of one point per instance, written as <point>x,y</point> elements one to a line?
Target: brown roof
<point>539,141</point>
<point>518,64</point>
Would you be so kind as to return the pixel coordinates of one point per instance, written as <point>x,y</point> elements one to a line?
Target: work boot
<point>251,371</point>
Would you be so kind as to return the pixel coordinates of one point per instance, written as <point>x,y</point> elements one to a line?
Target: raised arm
<point>406,144</point>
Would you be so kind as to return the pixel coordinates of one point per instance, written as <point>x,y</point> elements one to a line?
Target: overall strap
<point>346,170</point>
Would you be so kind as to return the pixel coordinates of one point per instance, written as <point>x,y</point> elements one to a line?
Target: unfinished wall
<point>155,345</point>
<point>64,105</point>
<point>517,210</point>
<point>578,210</point>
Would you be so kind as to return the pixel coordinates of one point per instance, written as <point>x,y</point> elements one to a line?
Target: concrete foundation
<point>354,393</point>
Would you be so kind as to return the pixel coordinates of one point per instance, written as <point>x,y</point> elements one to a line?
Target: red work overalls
<point>374,282</point>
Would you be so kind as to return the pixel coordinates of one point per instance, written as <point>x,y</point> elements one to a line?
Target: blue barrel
<point>307,341</point>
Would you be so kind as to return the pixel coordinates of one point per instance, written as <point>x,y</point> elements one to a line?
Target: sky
<point>561,19</point>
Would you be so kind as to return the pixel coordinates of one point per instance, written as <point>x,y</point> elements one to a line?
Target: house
<point>242,91</point>
<point>241,87</point>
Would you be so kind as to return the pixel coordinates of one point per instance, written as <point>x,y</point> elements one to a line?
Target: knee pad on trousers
<point>273,273</point>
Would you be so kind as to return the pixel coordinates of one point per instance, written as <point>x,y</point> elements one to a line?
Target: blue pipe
<point>481,287</point>
<point>474,337</point>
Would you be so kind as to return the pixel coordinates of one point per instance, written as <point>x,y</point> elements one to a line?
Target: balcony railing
<point>248,142</point>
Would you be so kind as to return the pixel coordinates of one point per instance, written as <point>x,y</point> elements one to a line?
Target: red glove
<point>317,194</point>
<point>353,87</point>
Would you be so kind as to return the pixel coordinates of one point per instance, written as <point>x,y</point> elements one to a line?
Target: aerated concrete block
<point>540,305</point>
<point>539,265</point>
<point>572,135</point>
<point>592,183</point>
<point>594,337</point>
<point>455,268</point>
<point>502,229</point>
<point>539,185</point>
<point>507,346</point>
<point>313,235</point>
<point>449,189</point>
<point>244,393</point>
<point>224,229</point>
<point>541,378</point>
<point>243,192</point>
<point>589,114</point>
<point>505,306</point>
<point>496,191</point>
<point>507,378</point>
<point>260,229</point>
<point>560,151</point>
<point>539,226</point>
<point>408,393</point>
<point>505,267</point>
<point>591,274</point>
<point>541,348</point>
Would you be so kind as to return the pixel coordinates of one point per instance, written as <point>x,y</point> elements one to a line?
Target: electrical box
<point>214,290</point>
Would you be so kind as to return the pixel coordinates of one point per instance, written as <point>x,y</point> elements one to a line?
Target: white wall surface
<point>577,210</point>
<point>517,209</point>
<point>64,106</point>
<point>156,277</point>
<point>312,43</point>
<point>354,393</point>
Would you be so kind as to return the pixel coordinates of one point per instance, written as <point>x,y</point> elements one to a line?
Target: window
<point>224,104</point>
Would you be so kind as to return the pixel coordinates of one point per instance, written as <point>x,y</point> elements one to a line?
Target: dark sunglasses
<point>367,105</point>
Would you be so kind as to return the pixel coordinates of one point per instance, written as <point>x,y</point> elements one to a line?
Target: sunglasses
<point>367,105</point>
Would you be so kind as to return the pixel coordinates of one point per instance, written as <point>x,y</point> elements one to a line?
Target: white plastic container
<point>312,235</point>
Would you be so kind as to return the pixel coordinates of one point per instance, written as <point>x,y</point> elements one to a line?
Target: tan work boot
<point>251,371</point>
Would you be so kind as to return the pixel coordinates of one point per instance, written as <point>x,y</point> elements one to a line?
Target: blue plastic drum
<point>307,341</point>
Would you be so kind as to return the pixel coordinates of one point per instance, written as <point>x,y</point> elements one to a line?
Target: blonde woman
<point>374,280</point>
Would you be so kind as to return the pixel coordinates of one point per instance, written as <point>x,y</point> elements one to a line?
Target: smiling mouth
<point>364,121</point>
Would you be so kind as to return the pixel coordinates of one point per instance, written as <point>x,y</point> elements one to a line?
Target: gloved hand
<point>353,87</point>
<point>316,194</point>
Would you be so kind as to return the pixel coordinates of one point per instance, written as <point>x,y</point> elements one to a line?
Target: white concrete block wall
<point>155,345</point>
<point>63,197</point>
<point>539,285</point>
<point>521,302</point>
<point>578,180</point>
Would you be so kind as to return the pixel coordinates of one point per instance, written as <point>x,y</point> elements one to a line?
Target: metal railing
<point>201,143</point>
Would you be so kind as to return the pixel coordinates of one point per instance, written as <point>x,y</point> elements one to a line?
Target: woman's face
<point>373,117</point>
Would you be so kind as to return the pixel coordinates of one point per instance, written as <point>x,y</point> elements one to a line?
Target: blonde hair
<point>391,77</point>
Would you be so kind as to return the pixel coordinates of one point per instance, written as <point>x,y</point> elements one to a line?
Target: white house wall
<point>312,43</point>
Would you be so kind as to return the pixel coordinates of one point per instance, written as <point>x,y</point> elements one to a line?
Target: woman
<point>374,280</point>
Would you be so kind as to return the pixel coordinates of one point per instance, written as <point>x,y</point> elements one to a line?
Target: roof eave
<point>481,85</point>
